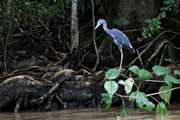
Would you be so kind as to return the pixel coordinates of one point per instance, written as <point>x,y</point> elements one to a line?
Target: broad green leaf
<point>112,74</point>
<point>176,72</point>
<point>134,69</point>
<point>165,95</point>
<point>111,87</point>
<point>107,100</point>
<point>128,84</point>
<point>144,74</point>
<point>161,108</point>
<point>171,80</point>
<point>143,102</point>
<point>160,70</point>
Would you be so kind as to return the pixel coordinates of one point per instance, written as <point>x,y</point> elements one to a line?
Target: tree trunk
<point>74,26</point>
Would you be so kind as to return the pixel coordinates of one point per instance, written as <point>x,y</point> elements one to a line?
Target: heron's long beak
<point>96,26</point>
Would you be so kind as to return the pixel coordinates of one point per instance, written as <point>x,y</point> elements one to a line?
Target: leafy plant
<point>112,74</point>
<point>110,86</point>
<point>176,72</point>
<point>168,5</point>
<point>171,80</point>
<point>107,99</point>
<point>134,69</point>
<point>165,75</point>
<point>144,74</point>
<point>154,24</point>
<point>161,108</point>
<point>142,101</point>
<point>128,84</point>
<point>141,73</point>
<point>167,95</point>
<point>160,70</point>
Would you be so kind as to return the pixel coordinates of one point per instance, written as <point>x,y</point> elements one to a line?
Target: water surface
<point>89,114</point>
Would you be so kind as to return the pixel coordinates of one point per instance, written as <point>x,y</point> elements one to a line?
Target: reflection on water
<point>88,114</point>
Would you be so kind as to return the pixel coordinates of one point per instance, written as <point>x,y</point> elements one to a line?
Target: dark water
<point>89,114</point>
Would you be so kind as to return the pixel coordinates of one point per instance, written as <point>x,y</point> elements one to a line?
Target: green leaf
<point>144,74</point>
<point>165,95</point>
<point>160,70</point>
<point>107,100</point>
<point>148,20</point>
<point>176,72</point>
<point>134,69</point>
<point>128,84</point>
<point>143,102</point>
<point>161,108</point>
<point>171,80</point>
<point>163,14</point>
<point>111,87</point>
<point>112,74</point>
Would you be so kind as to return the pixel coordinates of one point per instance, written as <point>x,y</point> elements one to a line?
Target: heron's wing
<point>110,33</point>
<point>121,39</point>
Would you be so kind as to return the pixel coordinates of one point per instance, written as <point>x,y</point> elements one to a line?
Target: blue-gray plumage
<point>119,38</point>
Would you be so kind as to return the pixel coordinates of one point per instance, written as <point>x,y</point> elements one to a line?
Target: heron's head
<point>100,22</point>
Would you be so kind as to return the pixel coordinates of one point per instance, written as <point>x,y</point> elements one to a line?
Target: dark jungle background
<point>51,56</point>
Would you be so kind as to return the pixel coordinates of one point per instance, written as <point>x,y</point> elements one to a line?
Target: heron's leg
<point>121,51</point>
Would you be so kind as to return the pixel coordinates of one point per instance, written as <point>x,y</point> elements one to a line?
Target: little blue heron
<point>119,38</point>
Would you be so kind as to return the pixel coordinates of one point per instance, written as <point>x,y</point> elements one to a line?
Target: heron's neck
<point>105,27</point>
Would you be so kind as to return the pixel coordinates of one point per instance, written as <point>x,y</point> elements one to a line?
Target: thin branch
<point>162,55</point>
<point>40,99</point>
<point>149,95</point>
<point>45,26</point>
<point>155,81</point>
<point>140,59</point>
<point>94,38</point>
<point>164,91</point>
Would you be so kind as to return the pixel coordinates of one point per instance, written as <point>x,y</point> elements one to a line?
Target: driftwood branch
<point>157,50</point>
<point>150,44</point>
<point>41,99</point>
